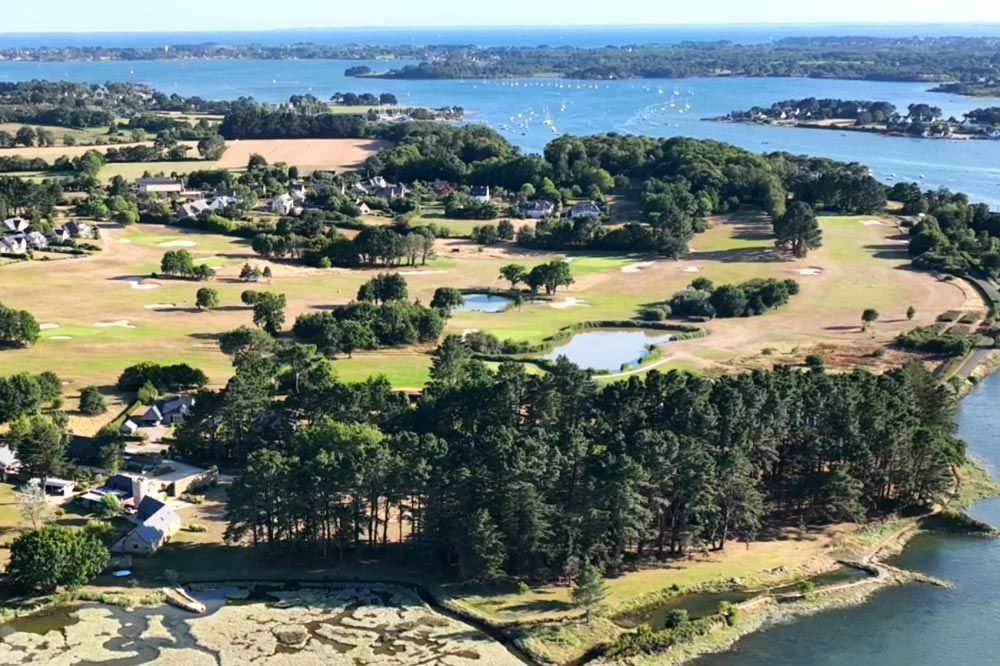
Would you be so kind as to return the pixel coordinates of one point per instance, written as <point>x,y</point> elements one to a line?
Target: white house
<point>79,229</point>
<point>584,209</point>
<point>196,208</point>
<point>480,193</point>
<point>36,240</point>
<point>536,210</point>
<point>16,224</point>
<point>283,204</point>
<point>13,245</point>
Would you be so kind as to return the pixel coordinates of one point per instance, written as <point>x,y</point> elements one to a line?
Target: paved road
<point>977,356</point>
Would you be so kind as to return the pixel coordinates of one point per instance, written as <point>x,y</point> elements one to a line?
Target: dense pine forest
<point>495,473</point>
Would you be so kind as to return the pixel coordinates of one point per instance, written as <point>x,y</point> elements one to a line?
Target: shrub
<point>657,313</point>
<point>196,527</point>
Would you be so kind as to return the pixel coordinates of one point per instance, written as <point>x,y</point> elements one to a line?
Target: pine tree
<point>590,589</point>
<point>483,552</point>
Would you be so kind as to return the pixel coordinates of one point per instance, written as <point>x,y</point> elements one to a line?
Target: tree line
<point>495,472</point>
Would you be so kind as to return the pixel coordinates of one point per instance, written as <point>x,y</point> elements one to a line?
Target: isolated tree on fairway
<point>384,288</point>
<point>797,230</point>
<point>550,275</point>
<point>42,560</point>
<point>514,273</point>
<point>911,312</point>
<point>92,402</point>
<point>207,298</point>
<point>590,589</point>
<point>245,341</point>
<point>269,311</point>
<point>483,553</point>
<point>447,298</point>
<point>868,317</point>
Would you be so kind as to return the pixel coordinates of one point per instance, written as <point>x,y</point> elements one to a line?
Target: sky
<point>220,15</point>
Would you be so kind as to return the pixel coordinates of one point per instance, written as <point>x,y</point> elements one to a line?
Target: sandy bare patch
<point>422,272</point>
<point>469,331</point>
<point>61,337</point>
<point>808,271</point>
<point>569,302</point>
<point>160,306</point>
<point>124,240</point>
<point>121,323</point>
<point>140,283</point>
<point>692,269</point>
<point>638,267</point>
<point>178,243</point>
<point>873,223</point>
<point>46,327</point>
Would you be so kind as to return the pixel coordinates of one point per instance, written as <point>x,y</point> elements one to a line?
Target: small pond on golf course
<point>608,349</point>
<point>484,303</point>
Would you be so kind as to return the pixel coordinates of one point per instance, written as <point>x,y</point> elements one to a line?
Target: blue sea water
<point>588,107</point>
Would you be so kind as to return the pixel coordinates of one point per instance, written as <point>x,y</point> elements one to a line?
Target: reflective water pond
<point>484,303</point>
<point>608,349</point>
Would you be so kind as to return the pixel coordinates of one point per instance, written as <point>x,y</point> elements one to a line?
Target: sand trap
<point>124,240</point>
<point>469,331</point>
<point>636,268</point>
<point>872,223</point>
<point>692,269</point>
<point>140,283</point>
<point>121,323</point>
<point>61,337</point>
<point>808,271</point>
<point>569,260</point>
<point>422,272</point>
<point>569,302</point>
<point>46,327</point>
<point>178,243</point>
<point>160,306</point>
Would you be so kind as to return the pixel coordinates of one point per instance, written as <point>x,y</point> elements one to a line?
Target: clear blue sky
<point>217,15</point>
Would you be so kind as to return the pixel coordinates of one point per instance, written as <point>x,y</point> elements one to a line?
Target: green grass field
<point>856,268</point>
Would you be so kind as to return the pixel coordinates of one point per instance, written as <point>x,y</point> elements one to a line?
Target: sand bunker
<point>46,327</point>
<point>160,306</point>
<point>692,269</point>
<point>808,271</point>
<point>124,240</point>
<point>140,283</point>
<point>422,272</point>
<point>61,337</point>
<point>636,268</point>
<point>178,243</point>
<point>872,223</point>
<point>121,323</point>
<point>469,331</point>
<point>569,302</point>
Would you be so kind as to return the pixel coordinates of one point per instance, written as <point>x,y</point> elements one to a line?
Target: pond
<point>348,626</point>
<point>701,604</point>
<point>484,303</point>
<point>608,349</point>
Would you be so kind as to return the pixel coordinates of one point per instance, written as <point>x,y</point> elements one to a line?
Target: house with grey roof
<point>166,412</point>
<point>78,229</point>
<point>16,224</point>
<point>156,524</point>
<point>480,193</point>
<point>584,209</point>
<point>536,210</point>
<point>159,185</point>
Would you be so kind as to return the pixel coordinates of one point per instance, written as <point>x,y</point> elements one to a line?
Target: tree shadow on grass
<point>539,606</point>
<point>739,256</point>
<point>889,251</point>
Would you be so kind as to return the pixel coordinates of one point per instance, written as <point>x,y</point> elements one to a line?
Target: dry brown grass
<point>307,154</point>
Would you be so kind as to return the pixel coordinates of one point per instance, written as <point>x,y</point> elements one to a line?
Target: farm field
<point>103,313</point>
<point>86,135</point>
<point>308,154</point>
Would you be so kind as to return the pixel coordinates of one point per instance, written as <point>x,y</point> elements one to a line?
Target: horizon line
<point>521,26</point>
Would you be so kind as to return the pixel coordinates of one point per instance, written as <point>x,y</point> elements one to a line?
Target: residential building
<point>480,193</point>
<point>78,229</point>
<point>199,206</point>
<point>58,487</point>
<point>166,412</point>
<point>59,235</point>
<point>157,523</point>
<point>16,224</point>
<point>585,209</point>
<point>159,185</point>
<point>15,244</point>
<point>36,240</point>
<point>536,210</point>
<point>282,204</point>
<point>128,489</point>
<point>393,192</point>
